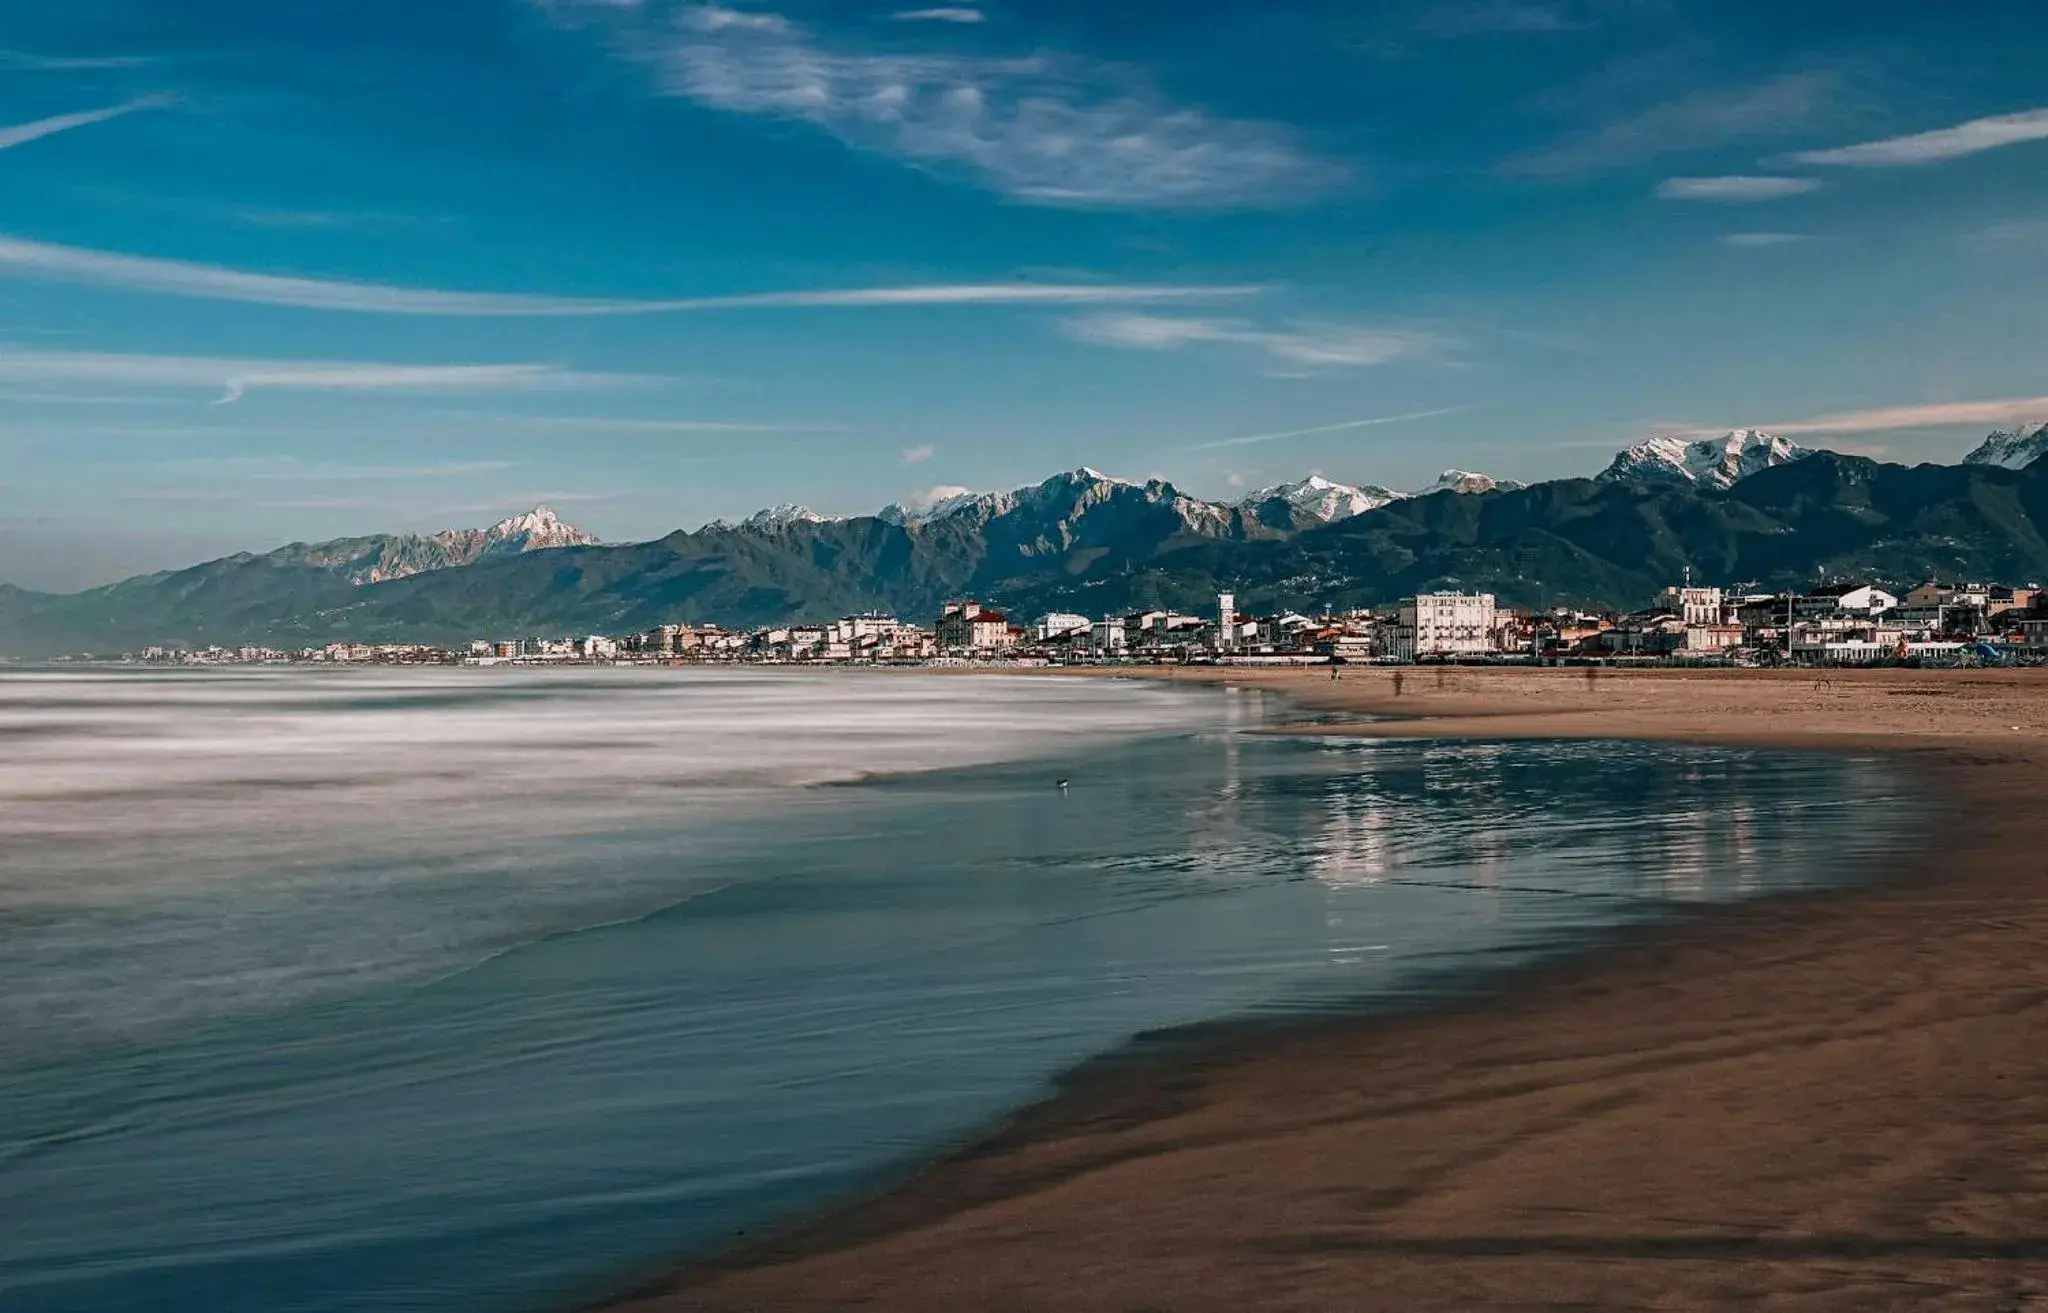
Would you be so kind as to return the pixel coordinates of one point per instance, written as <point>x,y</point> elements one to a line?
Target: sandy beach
<point>1831,1102</point>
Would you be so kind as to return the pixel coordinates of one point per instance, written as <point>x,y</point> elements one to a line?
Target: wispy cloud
<point>616,424</point>
<point>44,397</point>
<point>22,133</point>
<point>235,378</point>
<point>1045,128</point>
<point>1737,189</point>
<point>1938,415</point>
<point>1374,422</point>
<point>1942,144</point>
<point>718,18</point>
<point>519,502</point>
<point>324,471</point>
<point>1764,239</point>
<point>134,273</point>
<point>941,15</point>
<point>257,217</point>
<point>324,504</point>
<point>1302,346</point>
<point>918,455</point>
<point>175,493</point>
<point>288,469</point>
<point>1704,120</point>
<point>1941,414</point>
<point>20,61</point>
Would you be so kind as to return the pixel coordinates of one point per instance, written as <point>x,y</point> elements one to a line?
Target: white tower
<point>1226,617</point>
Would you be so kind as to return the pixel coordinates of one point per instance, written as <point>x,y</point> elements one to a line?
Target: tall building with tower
<point>1226,620</point>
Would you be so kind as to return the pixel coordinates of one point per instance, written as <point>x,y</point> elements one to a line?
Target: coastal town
<point>1840,624</point>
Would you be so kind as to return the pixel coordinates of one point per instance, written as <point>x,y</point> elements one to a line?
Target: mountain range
<point>1747,507</point>
<point>378,557</point>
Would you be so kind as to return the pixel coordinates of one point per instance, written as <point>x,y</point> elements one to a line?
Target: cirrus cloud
<point>1304,347</point>
<point>1931,147</point>
<point>236,378</point>
<point>1883,419</point>
<point>945,14</point>
<point>1341,426</point>
<point>1738,189</point>
<point>1702,120</point>
<point>1758,240</point>
<point>1047,129</point>
<point>135,273</point>
<point>21,134</point>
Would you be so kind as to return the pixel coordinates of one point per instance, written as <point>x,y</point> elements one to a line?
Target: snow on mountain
<point>1321,499</point>
<point>1463,481</point>
<point>379,557</point>
<point>1709,462</point>
<point>1067,492</point>
<point>2014,449</point>
<point>932,504</point>
<point>1063,497</point>
<point>537,530</point>
<point>784,515</point>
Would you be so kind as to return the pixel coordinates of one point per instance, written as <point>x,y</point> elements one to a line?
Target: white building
<point>1226,620</point>
<point>872,625</point>
<point>1848,599</point>
<point>1058,624</point>
<point>1444,625</point>
<point>1109,637</point>
<point>1700,608</point>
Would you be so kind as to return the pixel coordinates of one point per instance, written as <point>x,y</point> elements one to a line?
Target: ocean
<point>492,990</point>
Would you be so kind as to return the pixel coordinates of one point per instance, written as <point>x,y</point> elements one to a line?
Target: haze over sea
<point>490,990</point>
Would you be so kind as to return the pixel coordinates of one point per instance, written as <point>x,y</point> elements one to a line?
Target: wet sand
<point>1830,1102</point>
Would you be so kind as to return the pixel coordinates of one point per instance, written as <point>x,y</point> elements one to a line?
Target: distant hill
<point>1082,541</point>
<point>238,598</point>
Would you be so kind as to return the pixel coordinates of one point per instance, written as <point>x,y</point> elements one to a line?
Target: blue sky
<point>293,271</point>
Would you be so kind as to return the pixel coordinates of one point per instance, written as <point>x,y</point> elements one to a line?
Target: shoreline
<point>1830,1099</point>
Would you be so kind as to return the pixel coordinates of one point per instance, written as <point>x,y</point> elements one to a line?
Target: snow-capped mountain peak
<point>933,504</point>
<point>383,557</point>
<point>2014,448</point>
<point>1321,499</point>
<point>1464,481</point>
<point>536,530</point>
<point>783,515</point>
<point>1709,462</point>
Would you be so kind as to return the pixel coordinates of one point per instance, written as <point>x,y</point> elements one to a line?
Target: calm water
<point>481,989</point>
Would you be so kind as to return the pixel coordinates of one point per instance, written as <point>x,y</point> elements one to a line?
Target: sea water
<point>488,989</point>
